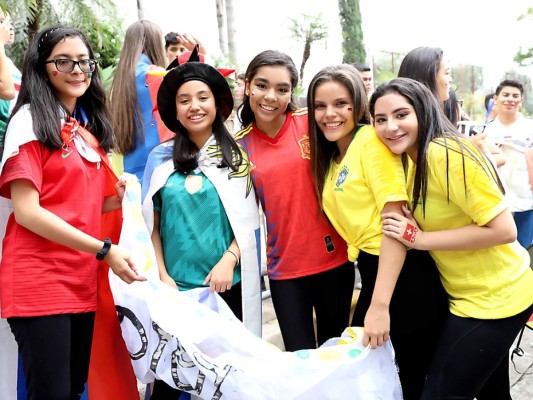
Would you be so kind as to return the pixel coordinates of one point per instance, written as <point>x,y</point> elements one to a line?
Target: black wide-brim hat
<point>192,71</point>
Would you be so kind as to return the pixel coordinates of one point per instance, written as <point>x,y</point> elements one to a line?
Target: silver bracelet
<point>234,255</point>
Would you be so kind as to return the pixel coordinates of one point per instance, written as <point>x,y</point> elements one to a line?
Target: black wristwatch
<point>102,253</point>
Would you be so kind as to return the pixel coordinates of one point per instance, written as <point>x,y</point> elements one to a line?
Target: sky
<point>477,32</point>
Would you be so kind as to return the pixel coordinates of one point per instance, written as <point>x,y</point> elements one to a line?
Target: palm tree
<point>96,18</point>
<point>308,29</point>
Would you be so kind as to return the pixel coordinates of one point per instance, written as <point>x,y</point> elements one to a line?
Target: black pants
<point>329,293</point>
<point>233,298</point>
<point>472,358</point>
<point>55,353</point>
<point>418,310</point>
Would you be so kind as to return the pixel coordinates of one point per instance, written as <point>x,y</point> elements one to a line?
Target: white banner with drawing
<point>192,341</point>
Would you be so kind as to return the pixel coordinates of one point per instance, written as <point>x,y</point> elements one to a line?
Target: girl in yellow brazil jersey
<point>458,213</point>
<point>357,178</point>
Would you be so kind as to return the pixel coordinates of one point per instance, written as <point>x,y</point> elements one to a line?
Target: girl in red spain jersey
<point>307,264</point>
<point>463,220</point>
<point>54,171</point>
<point>357,178</point>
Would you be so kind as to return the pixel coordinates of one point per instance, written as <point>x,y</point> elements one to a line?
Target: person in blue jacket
<point>134,124</point>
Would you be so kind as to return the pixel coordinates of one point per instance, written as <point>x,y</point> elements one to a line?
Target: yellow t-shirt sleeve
<point>383,170</point>
<point>482,200</point>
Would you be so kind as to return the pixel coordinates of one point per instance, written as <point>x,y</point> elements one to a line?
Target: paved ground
<point>521,373</point>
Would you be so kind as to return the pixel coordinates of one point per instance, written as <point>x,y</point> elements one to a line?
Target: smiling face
<point>396,124</point>
<point>333,107</point>
<point>196,110</point>
<point>69,86</point>
<point>269,91</point>
<point>508,101</point>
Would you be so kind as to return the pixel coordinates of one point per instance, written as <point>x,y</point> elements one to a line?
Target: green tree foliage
<point>96,18</point>
<point>353,48</point>
<point>386,66</point>
<point>525,56</point>
<point>308,29</point>
<point>467,79</point>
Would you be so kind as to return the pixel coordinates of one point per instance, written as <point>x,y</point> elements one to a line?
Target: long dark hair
<point>452,109</point>
<point>433,126</point>
<point>45,107</point>
<point>142,37</point>
<point>185,151</point>
<point>422,64</point>
<point>267,58</point>
<point>322,150</point>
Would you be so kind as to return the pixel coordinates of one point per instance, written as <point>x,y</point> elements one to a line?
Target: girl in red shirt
<point>54,171</point>
<point>307,260</point>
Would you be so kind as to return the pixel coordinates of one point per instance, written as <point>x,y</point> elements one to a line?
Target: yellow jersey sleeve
<point>469,179</point>
<point>382,169</point>
<point>462,189</point>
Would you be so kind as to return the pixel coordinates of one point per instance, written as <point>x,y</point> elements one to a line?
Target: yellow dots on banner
<point>148,258</point>
<point>348,346</point>
<point>353,335</point>
<point>136,214</point>
<point>148,266</point>
<point>329,353</point>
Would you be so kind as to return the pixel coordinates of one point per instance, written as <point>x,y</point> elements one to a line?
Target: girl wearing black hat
<point>198,199</point>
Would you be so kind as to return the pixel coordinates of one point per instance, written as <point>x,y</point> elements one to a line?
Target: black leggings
<point>233,298</point>
<point>418,310</point>
<point>55,352</point>
<point>329,293</point>
<point>472,358</point>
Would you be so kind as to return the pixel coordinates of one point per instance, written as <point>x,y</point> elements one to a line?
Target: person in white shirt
<point>513,132</point>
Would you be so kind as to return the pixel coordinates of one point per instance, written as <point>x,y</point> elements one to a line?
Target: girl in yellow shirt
<point>458,213</point>
<point>357,178</point>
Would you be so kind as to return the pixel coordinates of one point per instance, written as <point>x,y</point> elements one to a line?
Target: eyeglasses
<point>65,65</point>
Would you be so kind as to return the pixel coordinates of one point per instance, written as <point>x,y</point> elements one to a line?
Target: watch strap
<point>105,249</point>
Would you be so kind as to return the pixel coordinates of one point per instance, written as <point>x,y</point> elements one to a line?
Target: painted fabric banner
<point>192,341</point>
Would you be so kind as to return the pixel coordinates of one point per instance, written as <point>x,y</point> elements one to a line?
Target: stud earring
<point>54,73</point>
<point>247,93</point>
